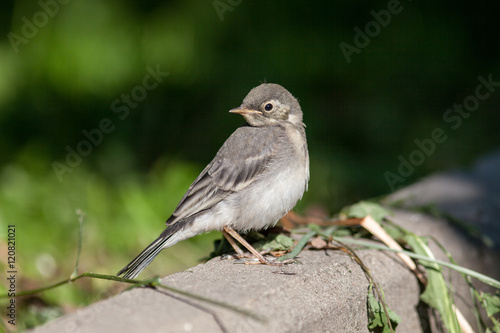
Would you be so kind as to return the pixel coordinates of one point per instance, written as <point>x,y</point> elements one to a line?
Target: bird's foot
<point>252,260</point>
<point>243,255</point>
<point>255,257</point>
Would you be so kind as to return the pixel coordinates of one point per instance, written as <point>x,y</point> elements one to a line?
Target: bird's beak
<point>243,110</point>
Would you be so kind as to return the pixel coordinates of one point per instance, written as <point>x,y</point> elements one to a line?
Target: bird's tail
<point>167,238</point>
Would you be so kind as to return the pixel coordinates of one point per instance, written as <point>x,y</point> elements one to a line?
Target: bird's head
<point>270,104</point>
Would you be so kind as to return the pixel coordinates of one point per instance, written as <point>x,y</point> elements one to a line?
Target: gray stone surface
<point>327,291</point>
<point>472,196</point>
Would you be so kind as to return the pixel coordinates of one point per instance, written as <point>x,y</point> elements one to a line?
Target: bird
<point>257,176</point>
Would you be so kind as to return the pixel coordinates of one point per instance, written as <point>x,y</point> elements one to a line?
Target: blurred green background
<point>64,67</point>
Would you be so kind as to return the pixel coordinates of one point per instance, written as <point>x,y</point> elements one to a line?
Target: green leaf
<point>496,325</point>
<point>436,293</point>
<point>490,302</point>
<point>394,231</point>
<point>278,243</point>
<point>342,232</point>
<point>364,208</point>
<point>314,227</point>
<point>377,316</point>
<point>300,245</point>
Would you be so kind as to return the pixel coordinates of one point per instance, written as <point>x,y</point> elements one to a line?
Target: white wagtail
<point>257,176</point>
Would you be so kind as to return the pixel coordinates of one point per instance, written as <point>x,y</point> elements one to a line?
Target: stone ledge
<point>326,292</point>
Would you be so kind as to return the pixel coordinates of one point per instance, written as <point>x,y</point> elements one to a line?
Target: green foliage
<point>37,315</point>
<point>297,248</point>
<point>491,303</point>
<point>274,242</point>
<point>436,294</point>
<point>365,208</point>
<point>377,317</point>
<point>121,219</point>
<point>65,79</point>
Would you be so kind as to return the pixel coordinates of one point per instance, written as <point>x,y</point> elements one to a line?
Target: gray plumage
<point>257,176</point>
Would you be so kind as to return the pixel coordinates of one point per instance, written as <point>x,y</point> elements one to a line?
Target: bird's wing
<point>240,160</point>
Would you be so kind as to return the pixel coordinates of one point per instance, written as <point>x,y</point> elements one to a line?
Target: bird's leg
<point>235,246</point>
<point>229,231</point>
<point>239,252</point>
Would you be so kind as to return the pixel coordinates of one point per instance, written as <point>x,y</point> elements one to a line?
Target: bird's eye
<point>268,107</point>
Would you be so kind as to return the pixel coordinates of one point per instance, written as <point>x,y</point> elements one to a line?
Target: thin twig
<point>153,283</point>
<point>370,278</point>
<point>81,217</point>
